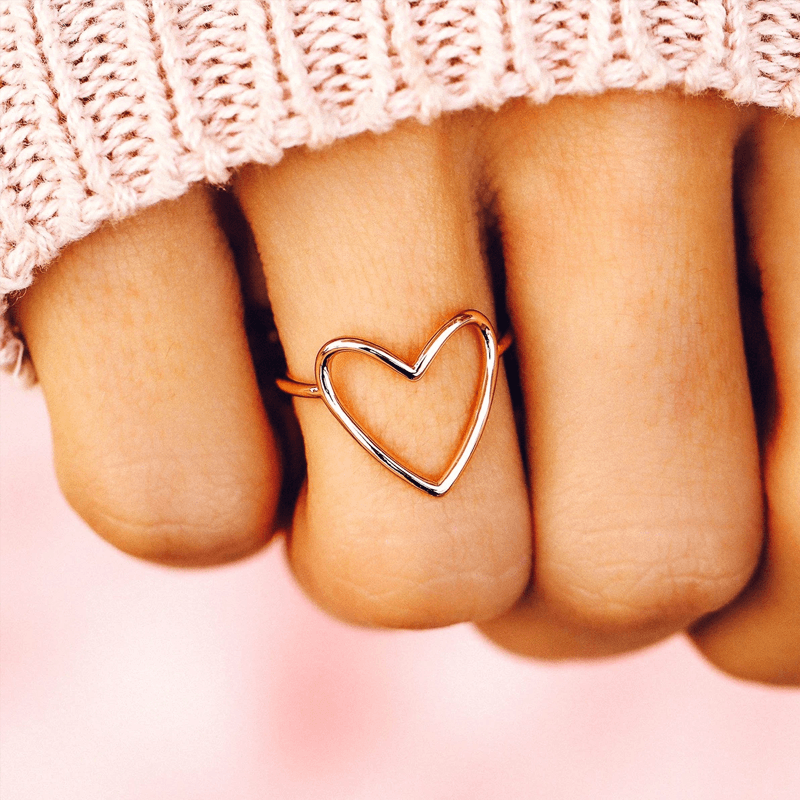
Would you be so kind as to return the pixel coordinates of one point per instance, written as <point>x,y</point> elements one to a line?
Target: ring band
<point>323,388</point>
<point>311,391</point>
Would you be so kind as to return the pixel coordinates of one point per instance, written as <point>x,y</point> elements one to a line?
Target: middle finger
<point>617,225</point>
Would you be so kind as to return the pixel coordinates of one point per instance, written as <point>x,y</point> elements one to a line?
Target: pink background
<point>124,681</point>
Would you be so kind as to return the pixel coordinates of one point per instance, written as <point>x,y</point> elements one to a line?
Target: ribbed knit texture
<point>107,106</point>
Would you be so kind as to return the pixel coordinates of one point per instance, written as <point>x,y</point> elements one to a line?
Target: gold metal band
<point>311,390</point>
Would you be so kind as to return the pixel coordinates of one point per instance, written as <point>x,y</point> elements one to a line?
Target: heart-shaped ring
<point>492,350</point>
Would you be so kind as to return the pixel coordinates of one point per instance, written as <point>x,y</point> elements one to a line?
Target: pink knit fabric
<point>107,106</point>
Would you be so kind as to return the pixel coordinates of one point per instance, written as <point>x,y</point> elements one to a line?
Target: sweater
<point>108,106</point>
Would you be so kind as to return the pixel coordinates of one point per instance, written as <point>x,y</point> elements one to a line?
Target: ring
<point>324,388</point>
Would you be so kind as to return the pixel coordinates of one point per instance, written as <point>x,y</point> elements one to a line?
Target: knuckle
<point>757,638</point>
<point>193,512</point>
<point>399,578</point>
<point>664,579</point>
<point>437,600</point>
<point>745,662</point>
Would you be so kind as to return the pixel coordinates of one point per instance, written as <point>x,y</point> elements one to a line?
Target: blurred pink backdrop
<point>124,681</point>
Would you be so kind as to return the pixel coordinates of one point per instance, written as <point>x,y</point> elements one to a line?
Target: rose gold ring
<point>492,350</point>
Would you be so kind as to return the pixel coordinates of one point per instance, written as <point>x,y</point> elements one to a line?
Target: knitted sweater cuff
<point>107,106</point>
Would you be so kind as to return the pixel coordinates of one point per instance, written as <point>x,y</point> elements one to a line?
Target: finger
<point>617,225</point>
<point>160,440</point>
<point>758,637</point>
<point>378,238</point>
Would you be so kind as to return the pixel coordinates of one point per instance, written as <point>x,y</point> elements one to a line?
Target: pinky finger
<point>758,636</point>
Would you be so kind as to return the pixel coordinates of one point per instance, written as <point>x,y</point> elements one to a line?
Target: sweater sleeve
<point>108,106</point>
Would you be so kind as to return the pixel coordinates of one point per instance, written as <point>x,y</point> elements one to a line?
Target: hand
<point>643,473</point>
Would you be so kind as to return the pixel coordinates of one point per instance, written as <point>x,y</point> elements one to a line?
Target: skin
<point>637,500</point>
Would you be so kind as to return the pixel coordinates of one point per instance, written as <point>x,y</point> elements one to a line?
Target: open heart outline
<point>480,410</point>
